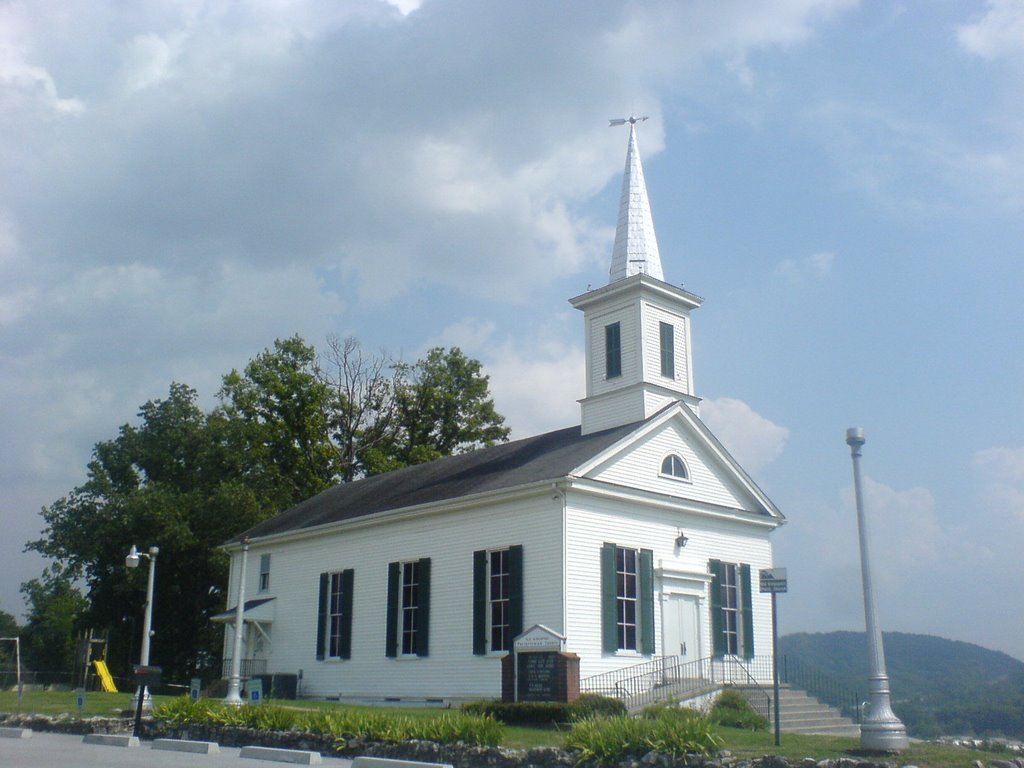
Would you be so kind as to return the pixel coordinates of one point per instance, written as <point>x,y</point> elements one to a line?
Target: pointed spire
<point>636,246</point>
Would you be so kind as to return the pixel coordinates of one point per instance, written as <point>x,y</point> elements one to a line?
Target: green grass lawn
<point>57,702</point>
<point>741,744</point>
<point>795,747</point>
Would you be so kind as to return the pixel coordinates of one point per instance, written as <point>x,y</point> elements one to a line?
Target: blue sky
<point>184,182</point>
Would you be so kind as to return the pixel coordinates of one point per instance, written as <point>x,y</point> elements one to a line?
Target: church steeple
<point>636,246</point>
<point>637,326</point>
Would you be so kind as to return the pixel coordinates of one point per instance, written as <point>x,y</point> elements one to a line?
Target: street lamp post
<point>132,561</point>
<point>880,729</point>
<point>234,696</point>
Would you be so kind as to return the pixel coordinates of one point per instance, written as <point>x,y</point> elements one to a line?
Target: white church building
<point>634,535</point>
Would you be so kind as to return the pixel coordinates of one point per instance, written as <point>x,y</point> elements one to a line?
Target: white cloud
<point>150,60</point>
<point>999,478</point>
<point>247,170</point>
<point>912,165</point>
<point>999,32</point>
<point>22,82</point>
<point>817,265</point>
<point>754,441</point>
<point>536,383</point>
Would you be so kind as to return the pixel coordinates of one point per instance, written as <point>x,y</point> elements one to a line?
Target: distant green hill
<point>939,686</point>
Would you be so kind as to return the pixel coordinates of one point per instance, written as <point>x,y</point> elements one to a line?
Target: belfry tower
<point>638,352</point>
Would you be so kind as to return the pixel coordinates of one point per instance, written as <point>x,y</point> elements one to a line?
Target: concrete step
<point>801,713</point>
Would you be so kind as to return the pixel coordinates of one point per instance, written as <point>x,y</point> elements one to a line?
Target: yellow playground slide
<point>104,675</point>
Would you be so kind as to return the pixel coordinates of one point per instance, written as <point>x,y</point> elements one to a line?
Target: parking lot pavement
<point>56,750</point>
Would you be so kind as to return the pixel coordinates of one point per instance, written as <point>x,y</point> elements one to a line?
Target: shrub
<point>607,741</point>
<point>343,724</point>
<point>522,712</point>
<point>671,710</point>
<point>591,704</point>
<point>182,710</point>
<point>732,709</point>
<point>545,713</point>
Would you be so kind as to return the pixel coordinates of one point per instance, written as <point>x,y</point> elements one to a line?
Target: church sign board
<point>538,669</point>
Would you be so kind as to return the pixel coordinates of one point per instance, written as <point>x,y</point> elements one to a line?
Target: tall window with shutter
<point>408,609</point>
<point>497,599</point>
<point>732,618</point>
<point>627,599</point>
<point>334,617</point>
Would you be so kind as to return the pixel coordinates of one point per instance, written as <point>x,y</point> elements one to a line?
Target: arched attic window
<point>674,466</point>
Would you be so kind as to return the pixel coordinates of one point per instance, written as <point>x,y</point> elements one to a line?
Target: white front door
<point>682,627</point>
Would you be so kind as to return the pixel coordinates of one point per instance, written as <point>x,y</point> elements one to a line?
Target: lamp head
<point>132,560</point>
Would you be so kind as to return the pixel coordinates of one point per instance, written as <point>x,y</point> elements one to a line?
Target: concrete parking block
<point>184,745</point>
<point>111,739</point>
<point>297,756</point>
<point>15,733</point>
<point>385,762</point>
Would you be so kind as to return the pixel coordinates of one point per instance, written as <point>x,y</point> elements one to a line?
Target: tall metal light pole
<point>234,696</point>
<point>132,561</point>
<point>880,729</point>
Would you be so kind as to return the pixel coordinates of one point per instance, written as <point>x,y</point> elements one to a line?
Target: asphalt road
<point>58,750</point>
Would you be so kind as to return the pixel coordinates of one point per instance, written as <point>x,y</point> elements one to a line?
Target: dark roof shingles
<point>543,457</point>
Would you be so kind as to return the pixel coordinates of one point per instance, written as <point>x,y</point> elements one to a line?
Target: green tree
<point>444,407</point>
<point>281,412</point>
<point>56,607</point>
<point>184,480</point>
<point>173,482</point>
<point>8,628</point>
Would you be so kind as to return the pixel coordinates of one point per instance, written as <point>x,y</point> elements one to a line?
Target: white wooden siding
<point>612,410</point>
<point>448,539</point>
<point>590,522</point>
<point>627,317</point>
<point>639,467</point>
<point>653,316</point>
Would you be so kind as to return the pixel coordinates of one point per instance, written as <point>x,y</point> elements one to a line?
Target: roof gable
<point>715,477</point>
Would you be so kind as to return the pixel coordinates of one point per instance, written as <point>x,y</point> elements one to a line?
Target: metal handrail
<point>796,673</point>
<point>661,679</point>
<point>751,681</point>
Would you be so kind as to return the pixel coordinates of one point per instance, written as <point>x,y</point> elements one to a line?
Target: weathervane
<point>623,120</point>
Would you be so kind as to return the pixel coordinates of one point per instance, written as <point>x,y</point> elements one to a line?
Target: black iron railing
<point>797,674</point>
<point>661,679</point>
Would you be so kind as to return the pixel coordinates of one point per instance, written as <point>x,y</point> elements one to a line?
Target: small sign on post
<point>195,689</point>
<point>774,582</point>
<point>255,690</point>
<point>80,701</point>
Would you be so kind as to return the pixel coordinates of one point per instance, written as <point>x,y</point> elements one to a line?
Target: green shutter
<point>321,617</point>
<point>394,583</point>
<point>717,630</point>
<point>612,350</point>
<point>609,601</point>
<point>480,602</point>
<point>748,613</point>
<point>345,637</point>
<point>646,602</point>
<point>423,610</point>
<point>515,590</point>
<point>668,351</point>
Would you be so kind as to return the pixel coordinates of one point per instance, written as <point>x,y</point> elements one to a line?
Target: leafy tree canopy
<point>287,426</point>
<point>55,609</point>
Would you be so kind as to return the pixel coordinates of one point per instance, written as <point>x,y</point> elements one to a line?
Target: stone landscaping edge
<point>458,755</point>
